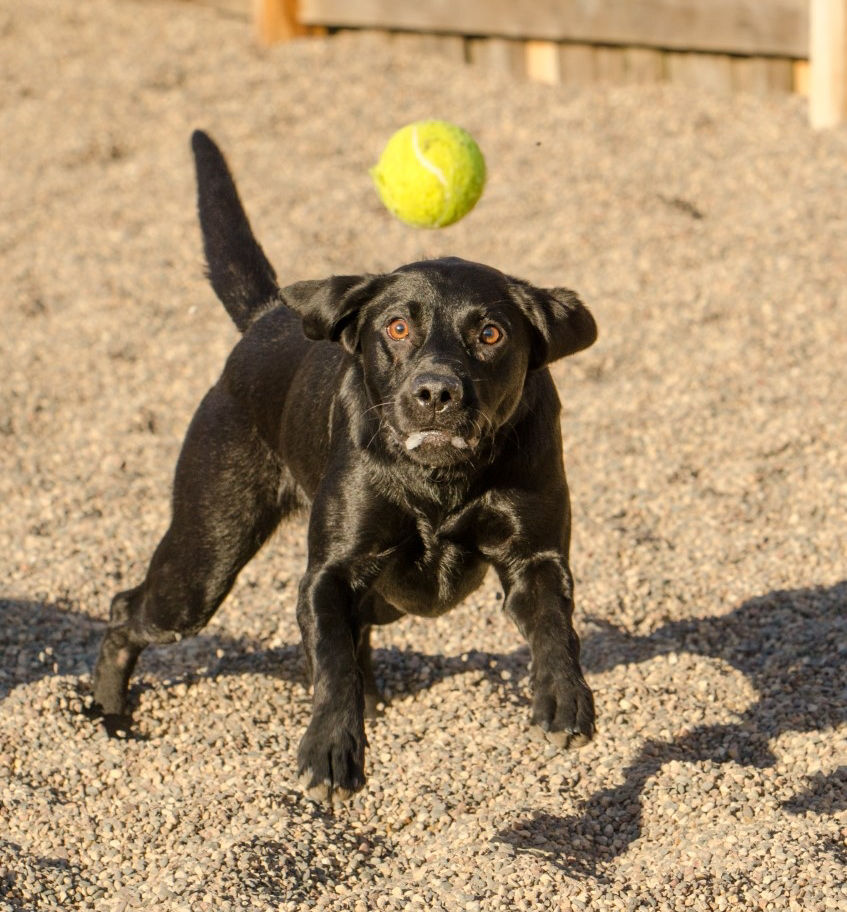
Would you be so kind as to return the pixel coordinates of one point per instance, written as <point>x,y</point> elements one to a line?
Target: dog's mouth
<point>438,439</point>
<point>436,447</point>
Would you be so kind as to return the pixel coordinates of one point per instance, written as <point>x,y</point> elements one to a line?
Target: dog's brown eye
<point>398,330</point>
<point>490,335</point>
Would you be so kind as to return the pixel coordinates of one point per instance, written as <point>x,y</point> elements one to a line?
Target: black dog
<point>423,427</point>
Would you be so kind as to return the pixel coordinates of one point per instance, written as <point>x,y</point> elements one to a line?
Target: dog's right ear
<point>329,308</point>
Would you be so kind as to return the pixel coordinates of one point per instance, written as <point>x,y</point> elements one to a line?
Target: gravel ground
<point>705,439</point>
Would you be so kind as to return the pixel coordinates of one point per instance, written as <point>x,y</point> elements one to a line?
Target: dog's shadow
<point>791,646</point>
<point>40,639</point>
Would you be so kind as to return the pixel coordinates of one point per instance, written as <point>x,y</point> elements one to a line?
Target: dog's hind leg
<point>374,610</point>
<point>369,686</point>
<point>230,491</point>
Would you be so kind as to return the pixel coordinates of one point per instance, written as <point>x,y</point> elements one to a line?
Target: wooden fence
<point>750,45</point>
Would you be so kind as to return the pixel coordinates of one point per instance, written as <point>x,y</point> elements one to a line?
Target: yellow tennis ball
<point>430,174</point>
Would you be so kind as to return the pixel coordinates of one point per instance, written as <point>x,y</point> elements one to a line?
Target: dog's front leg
<point>539,597</point>
<point>331,759</point>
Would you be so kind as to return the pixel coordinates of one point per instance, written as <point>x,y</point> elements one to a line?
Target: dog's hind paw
<point>116,725</point>
<point>567,739</point>
<point>374,706</point>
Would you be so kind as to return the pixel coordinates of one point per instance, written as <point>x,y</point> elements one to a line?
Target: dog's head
<point>445,347</point>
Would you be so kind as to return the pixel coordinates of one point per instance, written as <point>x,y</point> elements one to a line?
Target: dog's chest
<point>432,569</point>
<point>437,551</point>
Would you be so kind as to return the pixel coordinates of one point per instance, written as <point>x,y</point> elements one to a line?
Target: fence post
<point>828,57</point>
<point>276,20</point>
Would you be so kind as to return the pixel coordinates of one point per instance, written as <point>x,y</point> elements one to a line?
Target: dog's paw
<point>563,708</point>
<point>331,760</point>
<point>116,725</point>
<point>374,705</point>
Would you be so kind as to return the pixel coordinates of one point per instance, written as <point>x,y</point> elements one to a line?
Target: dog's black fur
<point>415,412</point>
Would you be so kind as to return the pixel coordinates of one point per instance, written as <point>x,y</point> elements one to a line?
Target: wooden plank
<point>780,74</point>
<point>762,74</point>
<point>610,65</point>
<point>577,63</point>
<point>828,52</point>
<point>750,74</point>
<point>765,27</point>
<point>802,77</point>
<point>712,72</point>
<point>644,65</point>
<point>542,62</point>
<point>503,54</point>
<point>448,47</point>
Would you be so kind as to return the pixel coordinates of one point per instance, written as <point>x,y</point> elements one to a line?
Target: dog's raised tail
<point>236,265</point>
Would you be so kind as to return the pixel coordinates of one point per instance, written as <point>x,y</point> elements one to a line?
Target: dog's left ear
<point>329,308</point>
<point>560,324</point>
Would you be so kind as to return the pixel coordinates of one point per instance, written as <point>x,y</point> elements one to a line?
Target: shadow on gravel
<point>320,857</point>
<point>17,880</point>
<point>38,639</point>
<point>792,645</point>
<point>402,671</point>
<point>41,639</point>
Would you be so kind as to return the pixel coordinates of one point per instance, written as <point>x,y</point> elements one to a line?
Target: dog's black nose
<point>437,392</point>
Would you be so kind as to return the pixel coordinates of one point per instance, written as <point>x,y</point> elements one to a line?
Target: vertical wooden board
<point>711,72</point>
<point>644,65</point>
<point>542,62</point>
<point>448,47</point>
<point>676,67</point>
<point>762,74</point>
<point>277,20</point>
<point>801,76</point>
<point>780,74</point>
<point>577,63</point>
<point>610,64</point>
<point>828,57</point>
<point>502,54</point>
<point>750,74</point>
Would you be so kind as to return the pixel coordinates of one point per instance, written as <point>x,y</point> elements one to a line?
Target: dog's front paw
<point>331,759</point>
<point>563,708</point>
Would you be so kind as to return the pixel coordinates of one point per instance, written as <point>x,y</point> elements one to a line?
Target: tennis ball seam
<point>436,171</point>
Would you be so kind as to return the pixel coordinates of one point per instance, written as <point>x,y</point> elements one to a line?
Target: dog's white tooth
<point>415,440</point>
<point>459,442</point>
